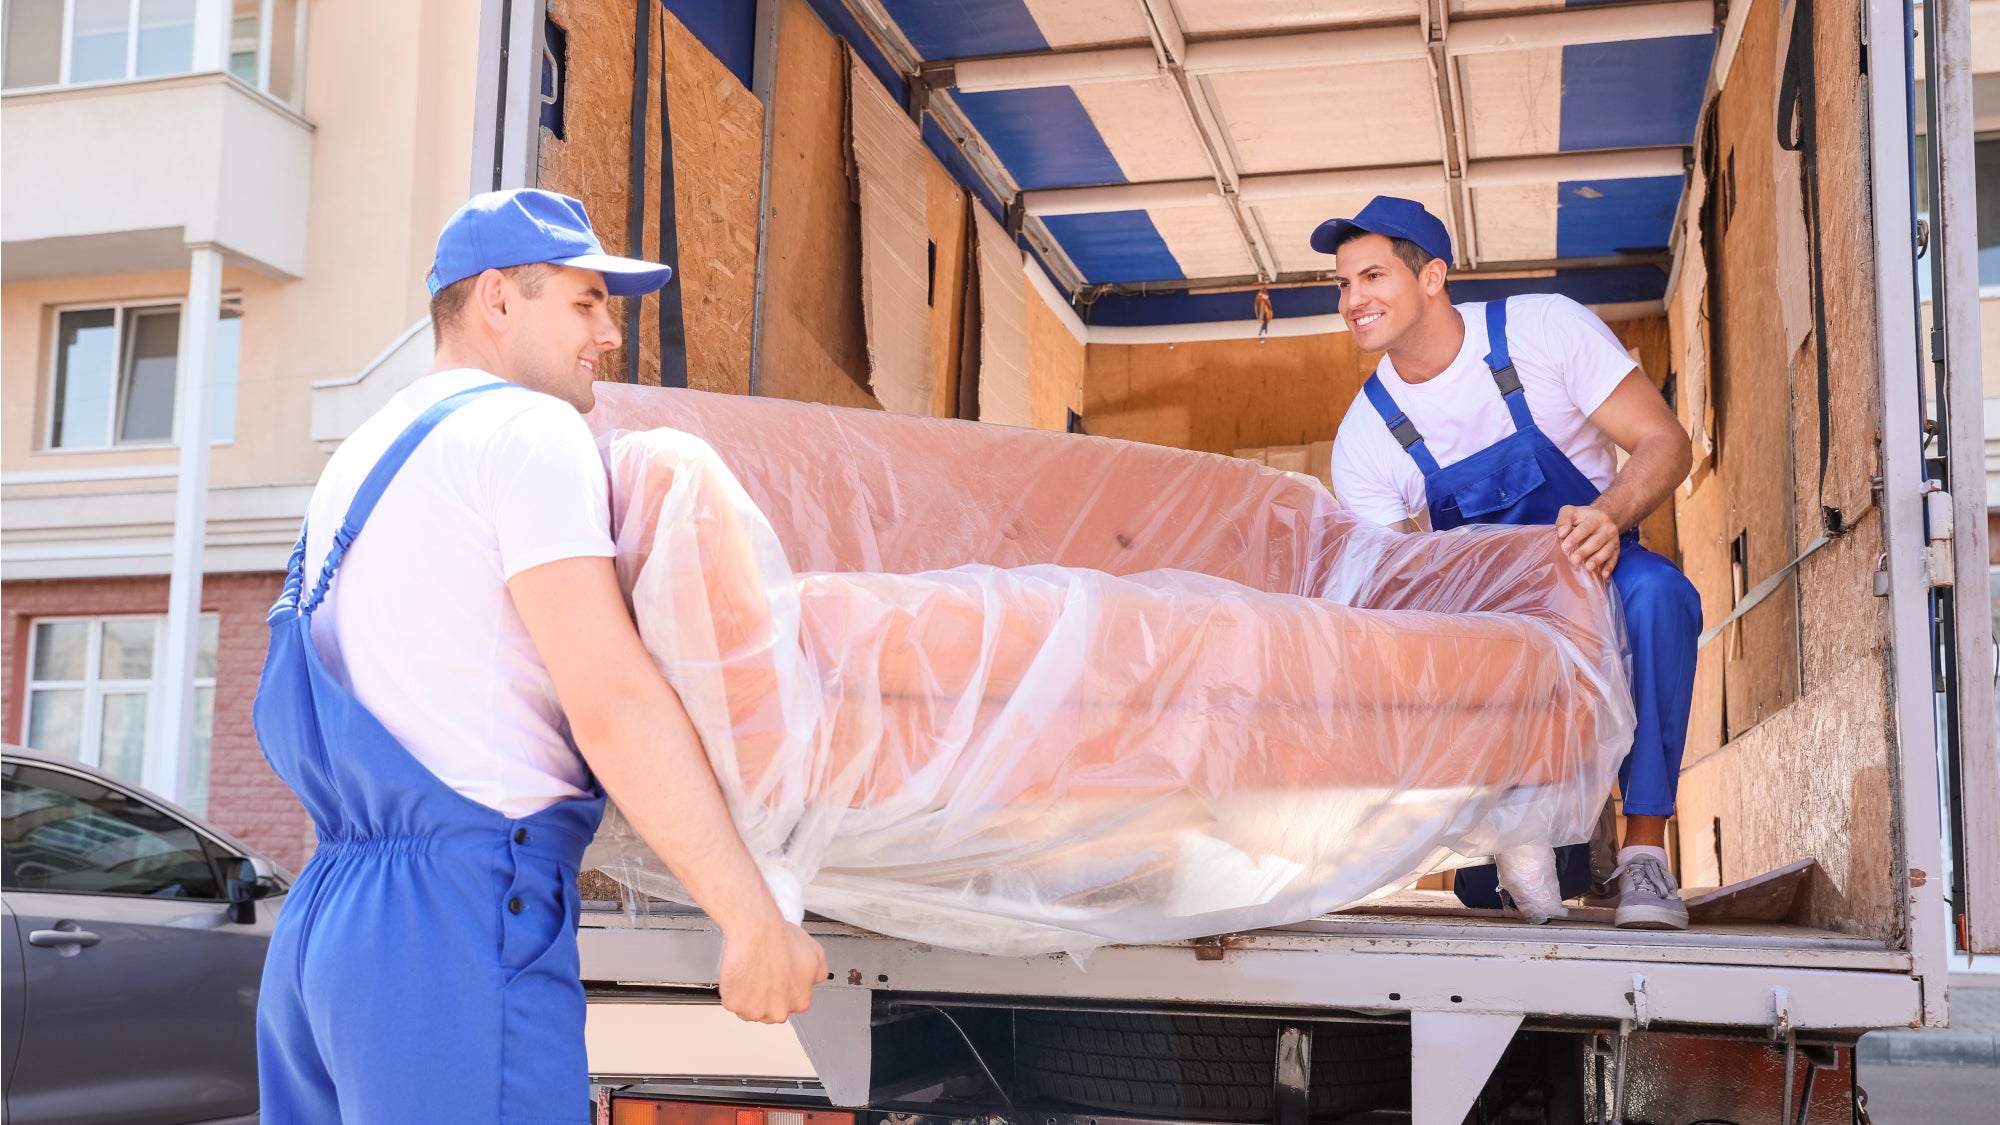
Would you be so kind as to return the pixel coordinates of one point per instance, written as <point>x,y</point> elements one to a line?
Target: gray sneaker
<point>1648,897</point>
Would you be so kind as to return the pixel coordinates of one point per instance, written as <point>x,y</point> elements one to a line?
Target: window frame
<point>90,731</point>
<point>216,850</point>
<point>262,85</point>
<point>231,306</point>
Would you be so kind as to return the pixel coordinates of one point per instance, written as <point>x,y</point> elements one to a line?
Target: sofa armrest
<point>1519,570</point>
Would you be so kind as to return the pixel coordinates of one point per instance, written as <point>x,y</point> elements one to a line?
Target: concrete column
<point>211,35</point>
<point>194,393</point>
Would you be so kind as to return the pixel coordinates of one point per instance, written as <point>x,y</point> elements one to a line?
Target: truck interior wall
<point>945,218</point>
<point>1057,362</point>
<point>1789,749</point>
<point>718,129</point>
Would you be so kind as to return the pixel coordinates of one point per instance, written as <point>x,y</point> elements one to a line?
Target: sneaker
<point>1648,897</point>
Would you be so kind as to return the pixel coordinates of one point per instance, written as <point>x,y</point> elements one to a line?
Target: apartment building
<point>229,202</point>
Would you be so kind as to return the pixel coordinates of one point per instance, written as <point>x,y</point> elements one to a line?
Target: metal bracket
<point>1451,1056</point>
<point>1292,1082</point>
<point>1939,568</point>
<point>1781,1014</point>
<point>1642,1005</point>
<point>835,1033</point>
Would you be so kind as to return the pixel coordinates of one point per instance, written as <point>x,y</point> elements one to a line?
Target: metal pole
<point>1913,758</point>
<point>172,731</point>
<point>1955,312</point>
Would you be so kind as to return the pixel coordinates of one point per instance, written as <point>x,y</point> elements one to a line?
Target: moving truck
<point>1091,215</point>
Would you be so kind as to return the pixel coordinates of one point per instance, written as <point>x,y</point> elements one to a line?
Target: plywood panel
<point>1005,394</point>
<point>1808,782</point>
<point>1224,395</point>
<point>814,345</point>
<point>1056,362</point>
<point>944,217</point>
<point>1752,389</point>
<point>718,139</point>
<point>1812,778</point>
<point>890,164</point>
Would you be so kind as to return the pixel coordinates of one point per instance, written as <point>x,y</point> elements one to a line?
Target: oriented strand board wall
<point>718,148</point>
<point>1056,365</point>
<point>815,348</point>
<point>1220,396</point>
<point>1812,778</point>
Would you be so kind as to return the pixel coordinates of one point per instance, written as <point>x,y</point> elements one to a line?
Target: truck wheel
<point>1202,1068</point>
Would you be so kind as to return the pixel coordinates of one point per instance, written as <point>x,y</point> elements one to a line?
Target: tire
<point>1202,1068</point>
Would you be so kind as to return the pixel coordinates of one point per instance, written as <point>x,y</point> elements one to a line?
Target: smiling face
<point>1381,297</point>
<point>559,330</point>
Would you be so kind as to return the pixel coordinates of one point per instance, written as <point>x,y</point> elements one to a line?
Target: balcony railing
<point>56,43</point>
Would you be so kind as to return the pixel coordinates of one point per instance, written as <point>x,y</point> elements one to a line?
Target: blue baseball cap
<point>1391,216</point>
<point>526,226</point>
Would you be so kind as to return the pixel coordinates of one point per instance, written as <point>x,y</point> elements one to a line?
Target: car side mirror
<point>248,880</point>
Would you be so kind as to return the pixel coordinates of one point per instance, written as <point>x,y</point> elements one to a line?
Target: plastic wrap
<point>1155,695</point>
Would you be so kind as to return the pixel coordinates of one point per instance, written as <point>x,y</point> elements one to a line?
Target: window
<point>91,683</point>
<point>72,42</point>
<point>1986,195</point>
<point>67,833</point>
<point>115,372</point>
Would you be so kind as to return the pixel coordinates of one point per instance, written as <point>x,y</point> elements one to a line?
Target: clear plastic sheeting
<point>1019,692</point>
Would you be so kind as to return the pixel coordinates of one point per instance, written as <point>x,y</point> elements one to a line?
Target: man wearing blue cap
<point>1513,412</point>
<point>453,710</point>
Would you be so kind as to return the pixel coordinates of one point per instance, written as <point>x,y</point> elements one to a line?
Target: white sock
<point>1628,854</point>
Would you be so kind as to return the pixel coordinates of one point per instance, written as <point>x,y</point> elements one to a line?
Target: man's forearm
<point>646,754</point>
<point>1658,463</point>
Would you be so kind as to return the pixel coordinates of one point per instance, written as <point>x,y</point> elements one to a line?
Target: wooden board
<point>1813,776</point>
<point>814,345</point>
<point>945,216</point>
<point>1770,897</point>
<point>1224,395</point>
<point>889,165</point>
<point>1056,364</point>
<point>718,131</point>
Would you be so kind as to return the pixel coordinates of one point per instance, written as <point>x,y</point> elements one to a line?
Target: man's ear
<point>1434,275</point>
<point>489,296</point>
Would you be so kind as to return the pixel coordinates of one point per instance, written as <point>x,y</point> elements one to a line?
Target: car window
<point>63,832</point>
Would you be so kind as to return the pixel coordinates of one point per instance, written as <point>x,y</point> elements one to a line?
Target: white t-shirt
<point>1568,363</point>
<point>419,624</point>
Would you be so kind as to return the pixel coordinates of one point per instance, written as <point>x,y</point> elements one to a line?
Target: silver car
<point>134,940</point>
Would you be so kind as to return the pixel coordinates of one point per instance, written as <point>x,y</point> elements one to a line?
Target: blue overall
<point>424,967</point>
<point>1524,479</point>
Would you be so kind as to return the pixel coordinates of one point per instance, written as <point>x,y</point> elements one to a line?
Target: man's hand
<point>1589,538</point>
<point>770,973</point>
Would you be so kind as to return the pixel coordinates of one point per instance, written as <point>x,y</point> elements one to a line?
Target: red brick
<point>245,798</point>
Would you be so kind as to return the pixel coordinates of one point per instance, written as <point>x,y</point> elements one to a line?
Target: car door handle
<point>52,939</point>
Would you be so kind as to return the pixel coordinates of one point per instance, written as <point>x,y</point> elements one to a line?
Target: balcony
<point>121,148</point>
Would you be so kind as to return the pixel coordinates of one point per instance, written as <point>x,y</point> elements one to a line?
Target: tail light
<point>628,1110</point>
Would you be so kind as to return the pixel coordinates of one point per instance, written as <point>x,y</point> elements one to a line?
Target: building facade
<point>281,169</point>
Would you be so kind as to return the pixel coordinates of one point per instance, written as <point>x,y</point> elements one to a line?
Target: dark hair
<point>448,303</point>
<point>1409,253</point>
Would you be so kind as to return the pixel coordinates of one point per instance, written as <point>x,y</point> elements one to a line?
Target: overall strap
<point>1502,365</point>
<point>378,480</point>
<point>1404,430</point>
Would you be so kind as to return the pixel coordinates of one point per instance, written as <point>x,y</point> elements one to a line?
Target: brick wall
<point>245,798</point>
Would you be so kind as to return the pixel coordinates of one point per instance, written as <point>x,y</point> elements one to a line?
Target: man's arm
<point>634,732</point>
<point>1659,456</point>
